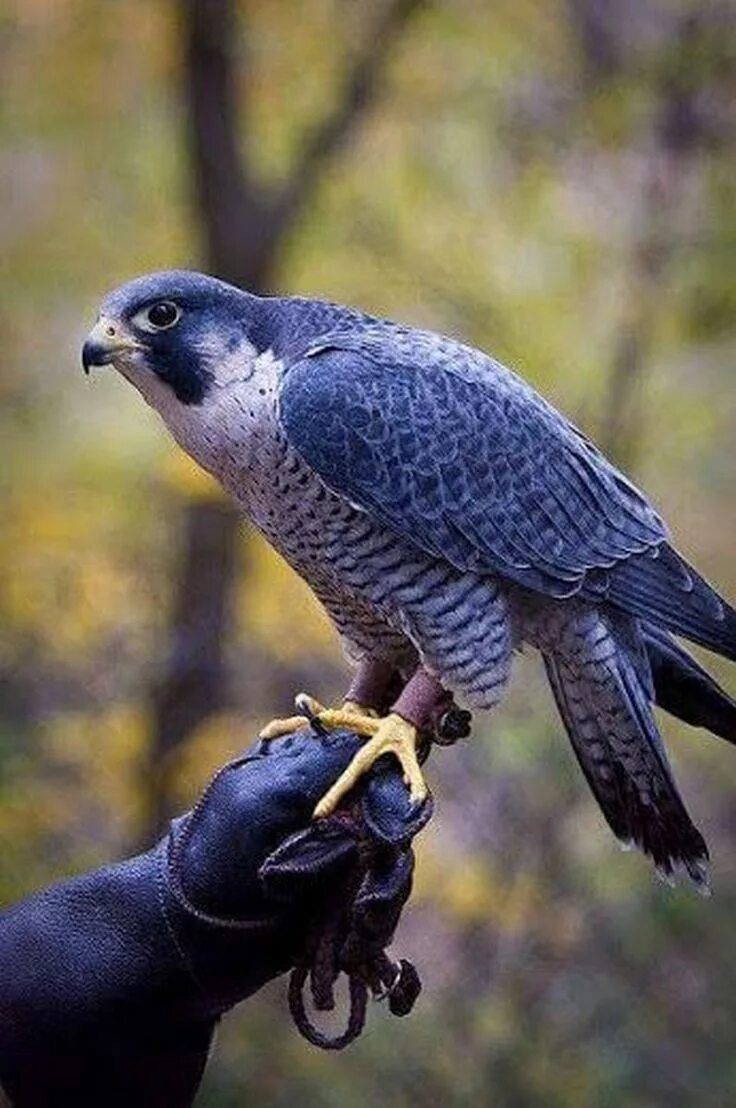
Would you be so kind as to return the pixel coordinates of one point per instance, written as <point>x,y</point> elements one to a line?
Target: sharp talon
<point>307,704</point>
<point>302,703</point>
<point>321,719</point>
<point>311,709</point>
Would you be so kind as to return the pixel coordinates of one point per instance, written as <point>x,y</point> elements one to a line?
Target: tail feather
<point>661,587</point>
<point>605,705</point>
<point>685,689</point>
<point>591,748</point>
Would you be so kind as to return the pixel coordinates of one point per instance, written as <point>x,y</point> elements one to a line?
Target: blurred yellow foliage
<point>74,584</point>
<point>184,477</point>
<point>221,738</point>
<point>83,806</point>
<point>473,891</point>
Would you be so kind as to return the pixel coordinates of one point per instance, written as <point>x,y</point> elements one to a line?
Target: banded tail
<point>604,689</point>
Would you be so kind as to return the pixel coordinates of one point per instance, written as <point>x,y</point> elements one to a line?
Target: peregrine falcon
<point>445,515</point>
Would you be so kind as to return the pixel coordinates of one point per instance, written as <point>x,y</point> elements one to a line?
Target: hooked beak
<point>105,343</point>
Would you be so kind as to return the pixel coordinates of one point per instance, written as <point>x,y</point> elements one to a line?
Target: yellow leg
<point>391,735</point>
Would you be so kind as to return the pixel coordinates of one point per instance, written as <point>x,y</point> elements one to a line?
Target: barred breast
<point>387,598</point>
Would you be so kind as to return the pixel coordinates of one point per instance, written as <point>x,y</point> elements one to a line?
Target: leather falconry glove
<point>112,983</point>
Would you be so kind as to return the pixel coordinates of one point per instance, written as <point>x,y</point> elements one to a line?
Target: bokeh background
<point>552,180</point>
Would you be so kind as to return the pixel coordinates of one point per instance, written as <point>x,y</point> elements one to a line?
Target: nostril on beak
<point>105,341</point>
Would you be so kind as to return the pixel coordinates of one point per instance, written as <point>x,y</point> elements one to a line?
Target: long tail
<point>686,690</point>
<point>662,588</point>
<point>604,694</point>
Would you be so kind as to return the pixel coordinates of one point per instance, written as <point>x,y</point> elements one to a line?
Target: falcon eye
<point>162,315</point>
<point>157,317</point>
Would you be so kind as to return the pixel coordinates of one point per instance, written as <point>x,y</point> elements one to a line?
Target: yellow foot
<point>391,735</point>
<point>351,715</point>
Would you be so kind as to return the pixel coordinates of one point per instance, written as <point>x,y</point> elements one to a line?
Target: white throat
<point>231,431</point>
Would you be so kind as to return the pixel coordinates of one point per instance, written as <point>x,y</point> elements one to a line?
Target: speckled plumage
<point>445,514</point>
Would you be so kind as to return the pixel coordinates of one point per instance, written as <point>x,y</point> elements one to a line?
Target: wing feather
<point>463,458</point>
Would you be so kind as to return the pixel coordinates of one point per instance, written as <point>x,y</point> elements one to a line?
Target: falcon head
<point>176,335</point>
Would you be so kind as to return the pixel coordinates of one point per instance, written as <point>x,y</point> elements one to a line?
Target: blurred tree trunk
<point>677,137</point>
<point>676,143</point>
<point>244,229</point>
<point>193,684</point>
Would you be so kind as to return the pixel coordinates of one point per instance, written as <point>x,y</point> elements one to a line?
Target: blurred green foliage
<point>524,182</point>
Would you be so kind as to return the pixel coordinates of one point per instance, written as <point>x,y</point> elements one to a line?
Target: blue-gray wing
<point>460,456</point>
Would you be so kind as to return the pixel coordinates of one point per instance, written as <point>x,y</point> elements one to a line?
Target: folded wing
<point>463,458</point>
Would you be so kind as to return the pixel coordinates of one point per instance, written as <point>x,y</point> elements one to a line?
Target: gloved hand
<point>111,983</point>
